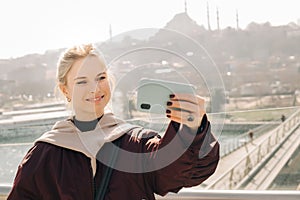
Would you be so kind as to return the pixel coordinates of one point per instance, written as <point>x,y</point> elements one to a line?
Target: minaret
<point>218,20</point>
<point>208,21</point>
<point>237,20</point>
<point>185,7</point>
<point>110,32</point>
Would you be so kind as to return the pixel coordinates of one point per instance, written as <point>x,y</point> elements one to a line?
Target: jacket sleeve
<point>24,186</point>
<point>43,172</point>
<point>193,157</point>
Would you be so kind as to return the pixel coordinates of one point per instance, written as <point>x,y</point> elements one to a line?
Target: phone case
<point>153,94</point>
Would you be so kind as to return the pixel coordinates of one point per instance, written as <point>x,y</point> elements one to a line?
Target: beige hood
<point>66,134</point>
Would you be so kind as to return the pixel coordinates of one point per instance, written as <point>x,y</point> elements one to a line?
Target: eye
<point>81,82</point>
<point>100,78</point>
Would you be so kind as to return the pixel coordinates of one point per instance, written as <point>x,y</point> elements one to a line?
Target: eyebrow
<point>101,74</point>
<point>83,77</point>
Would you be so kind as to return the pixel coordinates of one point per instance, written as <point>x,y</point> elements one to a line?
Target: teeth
<point>96,99</point>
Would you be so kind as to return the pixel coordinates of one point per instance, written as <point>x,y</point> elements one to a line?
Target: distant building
<point>254,89</point>
<point>184,24</point>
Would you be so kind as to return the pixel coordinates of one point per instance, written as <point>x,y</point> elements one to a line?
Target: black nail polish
<point>169,103</point>
<point>168,116</point>
<point>172,96</point>
<point>168,111</point>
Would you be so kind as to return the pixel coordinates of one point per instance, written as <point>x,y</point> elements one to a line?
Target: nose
<point>95,87</point>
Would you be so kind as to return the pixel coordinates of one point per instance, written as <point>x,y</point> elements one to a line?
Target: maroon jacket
<point>52,172</point>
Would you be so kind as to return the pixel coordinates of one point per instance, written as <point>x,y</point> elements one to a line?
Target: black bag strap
<point>100,194</point>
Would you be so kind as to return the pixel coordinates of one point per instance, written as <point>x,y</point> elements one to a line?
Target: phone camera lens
<point>145,106</point>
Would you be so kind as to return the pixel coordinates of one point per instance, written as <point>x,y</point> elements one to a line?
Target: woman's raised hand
<point>187,109</point>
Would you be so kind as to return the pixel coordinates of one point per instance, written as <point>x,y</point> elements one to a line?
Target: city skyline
<point>34,26</point>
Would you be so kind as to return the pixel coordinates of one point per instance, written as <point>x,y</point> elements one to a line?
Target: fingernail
<point>172,96</point>
<point>169,103</point>
<point>168,111</point>
<point>168,116</point>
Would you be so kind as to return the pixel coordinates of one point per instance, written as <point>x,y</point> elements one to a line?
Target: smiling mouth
<point>96,99</point>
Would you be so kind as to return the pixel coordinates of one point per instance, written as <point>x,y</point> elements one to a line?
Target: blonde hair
<point>70,56</point>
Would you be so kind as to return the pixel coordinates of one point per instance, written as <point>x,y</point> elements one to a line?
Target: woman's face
<point>88,87</point>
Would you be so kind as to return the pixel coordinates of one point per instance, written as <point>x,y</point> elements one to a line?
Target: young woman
<point>75,160</point>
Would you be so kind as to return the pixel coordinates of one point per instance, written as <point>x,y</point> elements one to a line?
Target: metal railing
<point>192,194</point>
<point>233,176</point>
<point>241,140</point>
<point>232,195</point>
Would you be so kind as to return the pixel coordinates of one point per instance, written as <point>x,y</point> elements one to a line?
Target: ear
<point>64,89</point>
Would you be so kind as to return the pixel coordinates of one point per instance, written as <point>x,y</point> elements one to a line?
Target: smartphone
<point>153,94</point>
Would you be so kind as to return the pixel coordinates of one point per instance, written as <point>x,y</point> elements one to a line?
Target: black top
<point>84,126</point>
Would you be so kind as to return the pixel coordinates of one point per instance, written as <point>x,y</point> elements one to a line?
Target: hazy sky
<point>33,26</point>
